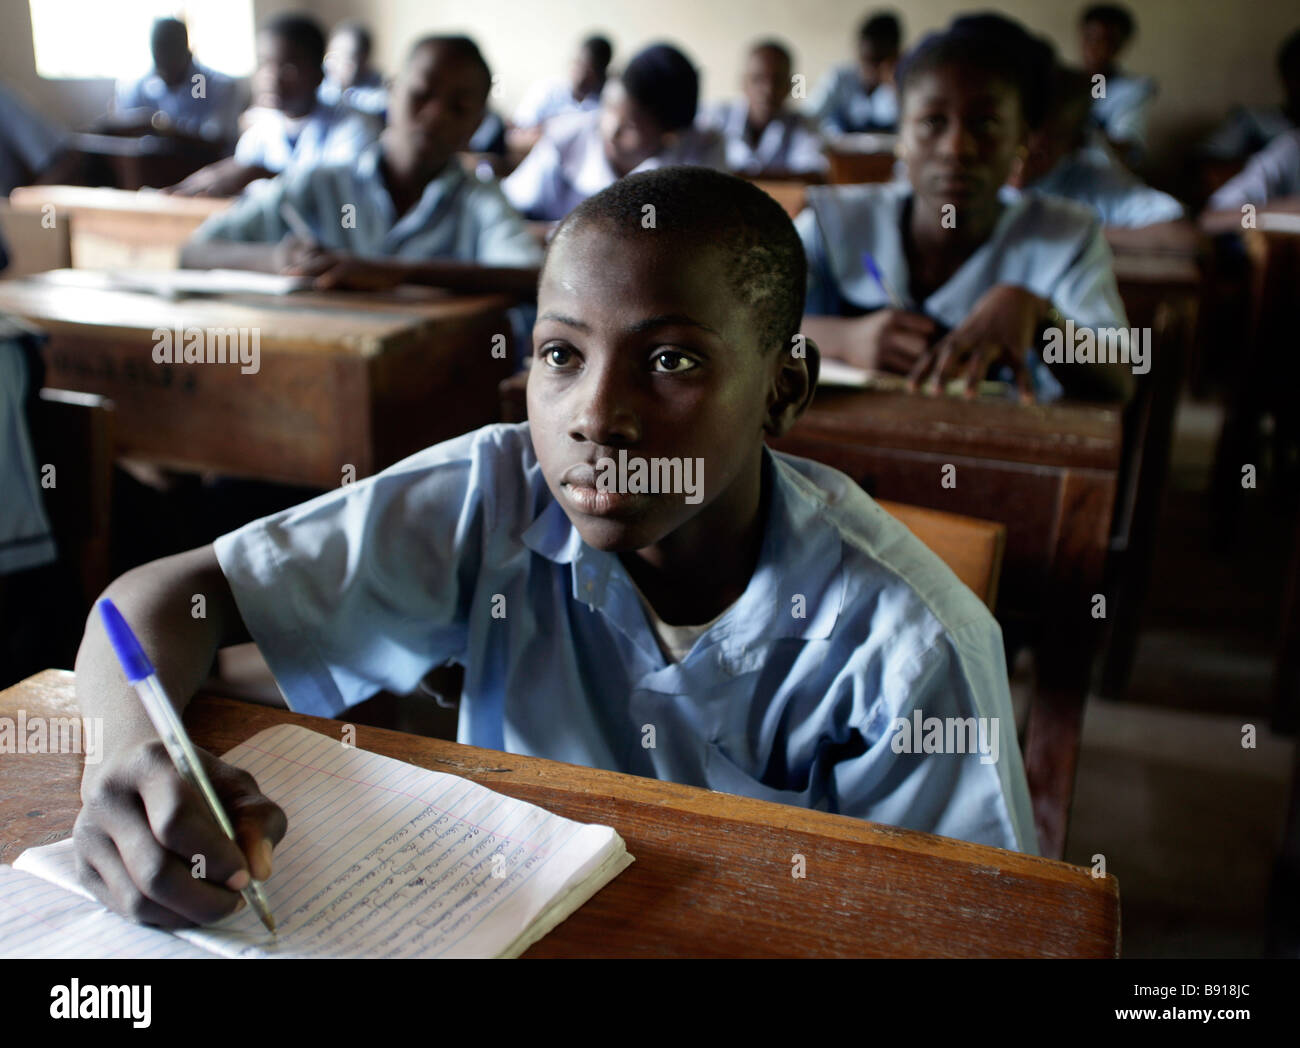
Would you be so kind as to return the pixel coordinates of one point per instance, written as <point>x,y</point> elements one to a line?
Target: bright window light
<point>80,39</point>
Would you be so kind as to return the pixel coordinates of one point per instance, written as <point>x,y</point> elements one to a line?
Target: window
<point>76,39</point>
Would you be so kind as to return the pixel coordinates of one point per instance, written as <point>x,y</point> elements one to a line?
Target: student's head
<point>170,44</point>
<point>1104,31</point>
<point>347,58</point>
<point>590,65</point>
<point>290,50</point>
<point>970,95</point>
<point>645,109</point>
<point>879,39</point>
<point>1288,69</point>
<point>767,79</point>
<point>668,339</point>
<point>438,101</point>
<point>1064,128</point>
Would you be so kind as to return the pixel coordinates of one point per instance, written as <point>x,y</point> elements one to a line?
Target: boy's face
<point>437,103</point>
<point>875,64</point>
<point>345,59</point>
<point>766,83</point>
<point>584,76</point>
<point>959,134</point>
<point>286,79</point>
<point>1099,45</point>
<point>631,135</point>
<point>641,348</point>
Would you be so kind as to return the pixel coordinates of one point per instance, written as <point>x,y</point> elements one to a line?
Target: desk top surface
<point>713,872</point>
<point>146,203</point>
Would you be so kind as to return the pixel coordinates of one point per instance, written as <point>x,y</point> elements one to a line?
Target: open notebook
<point>381,859</point>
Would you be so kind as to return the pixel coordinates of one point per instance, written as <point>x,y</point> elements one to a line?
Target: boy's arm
<point>141,827</point>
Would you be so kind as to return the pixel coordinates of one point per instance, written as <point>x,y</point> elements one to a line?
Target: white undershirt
<point>675,641</point>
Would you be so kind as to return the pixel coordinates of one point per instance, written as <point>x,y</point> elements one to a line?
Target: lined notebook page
<point>384,859</point>
<point>40,919</point>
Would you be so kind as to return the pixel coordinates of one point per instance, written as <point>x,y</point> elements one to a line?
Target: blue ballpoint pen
<point>869,264</point>
<point>167,722</point>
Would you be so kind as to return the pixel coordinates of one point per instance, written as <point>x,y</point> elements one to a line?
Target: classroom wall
<point>1206,54</point>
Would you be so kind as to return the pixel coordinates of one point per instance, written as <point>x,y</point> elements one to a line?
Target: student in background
<point>178,94</point>
<point>32,148</point>
<point>1122,111</point>
<point>976,280</point>
<point>1060,163</point>
<point>861,97</point>
<point>672,343</point>
<point>292,127</point>
<point>1270,175</point>
<point>416,216</point>
<point>1248,129</point>
<point>350,79</point>
<point>646,120</point>
<point>550,98</point>
<point>764,137</point>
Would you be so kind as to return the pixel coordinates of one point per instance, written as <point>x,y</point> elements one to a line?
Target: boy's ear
<point>793,386</point>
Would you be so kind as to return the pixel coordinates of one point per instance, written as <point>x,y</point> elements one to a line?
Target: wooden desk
<point>712,876</point>
<point>121,229</point>
<point>344,379</point>
<point>1049,473</point>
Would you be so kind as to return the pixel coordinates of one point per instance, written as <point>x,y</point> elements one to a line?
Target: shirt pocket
<point>724,775</point>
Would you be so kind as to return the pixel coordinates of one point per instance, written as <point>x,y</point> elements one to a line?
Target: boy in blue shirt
<point>1122,111</point>
<point>754,623</point>
<point>860,97</point>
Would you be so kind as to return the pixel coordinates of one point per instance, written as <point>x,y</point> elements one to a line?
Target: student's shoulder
<point>570,130</point>
<point>842,205</point>
<point>1052,219</point>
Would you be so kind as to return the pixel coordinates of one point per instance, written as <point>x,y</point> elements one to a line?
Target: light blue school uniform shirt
<point>25,537</point>
<point>1245,131</point>
<point>1114,194</point>
<point>213,116</point>
<point>1125,109</point>
<point>1272,173</point>
<point>461,553</point>
<point>29,142</point>
<point>1051,247</point>
<point>568,164</point>
<point>457,216</point>
<point>790,141</point>
<point>545,99</point>
<point>326,135</point>
<point>842,105</point>
<point>368,95</point>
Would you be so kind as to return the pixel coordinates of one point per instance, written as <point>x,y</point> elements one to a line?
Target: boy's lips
<point>578,485</point>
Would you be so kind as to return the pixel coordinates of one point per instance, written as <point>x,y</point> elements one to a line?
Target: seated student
<point>861,97</point>
<point>1270,175</point>
<point>1122,111</point>
<point>292,127</point>
<point>350,79</point>
<point>178,94</point>
<point>1060,163</point>
<point>1248,129</point>
<point>645,121</point>
<point>580,92</point>
<point>33,149</point>
<point>416,216</point>
<point>975,279</point>
<point>623,609</point>
<point>766,139</point>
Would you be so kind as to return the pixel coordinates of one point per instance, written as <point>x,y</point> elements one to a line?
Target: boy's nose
<point>605,414</point>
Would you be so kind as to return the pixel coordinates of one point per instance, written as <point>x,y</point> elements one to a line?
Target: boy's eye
<point>557,356</point>
<point>670,362</point>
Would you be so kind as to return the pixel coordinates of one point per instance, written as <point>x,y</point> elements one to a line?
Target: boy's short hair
<point>1113,16</point>
<point>701,206</point>
<point>301,31</point>
<point>998,45</point>
<point>776,47</point>
<point>462,47</point>
<point>169,30</point>
<point>600,50</point>
<point>662,81</point>
<point>358,32</point>
<point>1070,99</point>
<point>884,30</point>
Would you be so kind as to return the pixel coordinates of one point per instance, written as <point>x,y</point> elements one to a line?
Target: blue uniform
<point>842,105</point>
<point>368,95</point>
<point>789,143</point>
<point>848,626</point>
<point>550,98</point>
<point>211,113</point>
<point>1114,194</point>
<point>326,135</point>
<point>1271,173</point>
<point>1122,113</point>
<point>25,538</point>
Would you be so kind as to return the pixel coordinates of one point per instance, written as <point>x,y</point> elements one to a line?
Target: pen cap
<point>135,663</point>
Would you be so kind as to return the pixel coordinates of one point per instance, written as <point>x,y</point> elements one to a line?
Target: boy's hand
<point>890,340</point>
<point>142,829</point>
<point>349,273</point>
<point>1000,327</point>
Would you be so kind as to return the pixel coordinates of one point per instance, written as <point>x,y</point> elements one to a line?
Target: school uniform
<point>1053,248</point>
<point>1113,194</point>
<point>789,142</point>
<point>349,209</point>
<point>545,99</point>
<point>461,553</point>
<point>1245,131</point>
<point>326,135</point>
<point>842,105</point>
<point>1272,173</point>
<point>568,164</point>
<point>25,537</point>
<point>1122,113</point>
<point>213,116</point>
<point>368,95</point>
<point>29,143</point>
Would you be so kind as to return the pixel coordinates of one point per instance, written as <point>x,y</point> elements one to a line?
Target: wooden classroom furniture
<point>713,872</point>
<point>140,161</point>
<point>117,228</point>
<point>31,245</point>
<point>356,380</point>
<point>972,548</point>
<point>861,158</point>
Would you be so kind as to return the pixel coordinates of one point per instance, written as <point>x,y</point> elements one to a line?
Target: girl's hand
<point>890,340</point>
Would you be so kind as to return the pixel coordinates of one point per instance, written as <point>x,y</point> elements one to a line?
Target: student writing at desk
<point>404,212</point>
<point>973,280</point>
<point>760,621</point>
<point>290,126</point>
<point>861,96</point>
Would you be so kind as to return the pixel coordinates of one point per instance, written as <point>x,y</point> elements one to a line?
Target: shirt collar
<point>439,190</point>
